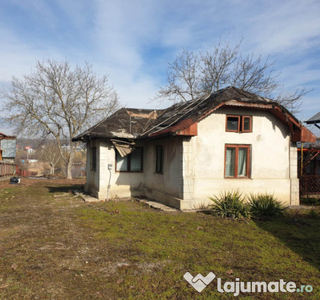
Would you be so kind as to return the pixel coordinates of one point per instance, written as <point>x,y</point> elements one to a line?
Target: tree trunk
<point>70,162</point>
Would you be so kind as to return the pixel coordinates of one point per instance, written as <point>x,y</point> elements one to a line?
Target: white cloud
<point>18,57</point>
<point>122,29</point>
<point>130,40</point>
<point>286,26</point>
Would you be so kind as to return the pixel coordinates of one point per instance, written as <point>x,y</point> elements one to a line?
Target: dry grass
<point>55,246</point>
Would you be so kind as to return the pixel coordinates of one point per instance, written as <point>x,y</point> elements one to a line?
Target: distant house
<point>29,149</point>
<point>8,147</point>
<point>229,140</point>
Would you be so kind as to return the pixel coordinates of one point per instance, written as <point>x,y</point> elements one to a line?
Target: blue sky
<point>131,41</point>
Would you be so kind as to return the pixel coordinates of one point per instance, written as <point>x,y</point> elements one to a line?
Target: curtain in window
<point>230,162</point>
<point>242,162</point>
<point>136,163</point>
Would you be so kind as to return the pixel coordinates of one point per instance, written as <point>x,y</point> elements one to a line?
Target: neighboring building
<point>230,140</point>
<point>315,120</point>
<point>8,147</point>
<point>29,149</point>
<point>32,161</point>
<point>310,158</point>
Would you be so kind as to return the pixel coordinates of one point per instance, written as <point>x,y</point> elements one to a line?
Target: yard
<point>55,246</point>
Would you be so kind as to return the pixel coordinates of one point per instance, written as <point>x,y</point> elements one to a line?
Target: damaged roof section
<point>182,118</point>
<point>124,148</point>
<point>195,110</point>
<point>126,123</point>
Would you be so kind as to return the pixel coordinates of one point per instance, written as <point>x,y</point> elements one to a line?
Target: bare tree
<point>50,154</point>
<point>183,78</point>
<point>60,101</point>
<point>195,74</point>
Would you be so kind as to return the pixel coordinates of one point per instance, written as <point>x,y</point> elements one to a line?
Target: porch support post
<point>301,159</point>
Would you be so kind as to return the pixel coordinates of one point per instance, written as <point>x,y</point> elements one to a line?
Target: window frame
<point>129,162</point>
<point>250,122</point>
<point>159,157</point>
<point>241,120</point>
<point>233,116</point>
<point>248,161</point>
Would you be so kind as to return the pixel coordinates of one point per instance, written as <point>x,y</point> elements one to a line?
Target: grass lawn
<point>55,246</point>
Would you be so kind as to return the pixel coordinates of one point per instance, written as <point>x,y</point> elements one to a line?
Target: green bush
<point>313,214</point>
<point>265,205</point>
<point>310,201</point>
<point>230,205</point>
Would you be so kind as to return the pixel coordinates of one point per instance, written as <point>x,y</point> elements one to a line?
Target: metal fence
<point>309,185</point>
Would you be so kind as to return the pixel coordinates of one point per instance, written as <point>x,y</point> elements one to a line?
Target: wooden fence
<point>11,169</point>
<point>7,168</point>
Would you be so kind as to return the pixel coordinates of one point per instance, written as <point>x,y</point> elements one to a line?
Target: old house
<point>229,140</point>
<point>7,147</point>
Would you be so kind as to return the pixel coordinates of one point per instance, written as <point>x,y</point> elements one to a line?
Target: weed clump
<point>230,205</point>
<point>265,206</point>
<point>234,205</point>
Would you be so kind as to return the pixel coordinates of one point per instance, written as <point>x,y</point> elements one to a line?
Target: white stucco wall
<point>194,166</point>
<point>122,184</point>
<point>166,187</point>
<point>270,158</point>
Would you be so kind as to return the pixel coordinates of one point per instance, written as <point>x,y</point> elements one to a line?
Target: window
<point>93,158</point>
<point>131,162</point>
<point>159,159</point>
<point>237,161</point>
<point>239,123</point>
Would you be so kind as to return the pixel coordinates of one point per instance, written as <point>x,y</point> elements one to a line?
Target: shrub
<point>230,205</point>
<point>310,201</point>
<point>265,205</point>
<point>313,214</point>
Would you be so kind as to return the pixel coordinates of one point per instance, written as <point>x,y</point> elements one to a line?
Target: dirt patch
<point>54,245</point>
<point>47,253</point>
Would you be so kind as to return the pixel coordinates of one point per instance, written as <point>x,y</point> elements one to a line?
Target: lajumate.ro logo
<point>199,283</point>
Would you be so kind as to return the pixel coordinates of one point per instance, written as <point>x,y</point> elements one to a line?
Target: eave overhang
<point>299,133</point>
<point>6,137</point>
<point>189,127</point>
